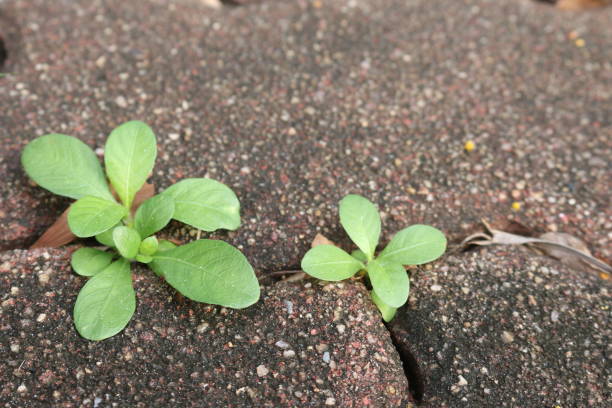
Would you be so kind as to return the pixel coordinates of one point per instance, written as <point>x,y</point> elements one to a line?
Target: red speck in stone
<point>314,332</point>
<point>146,336</point>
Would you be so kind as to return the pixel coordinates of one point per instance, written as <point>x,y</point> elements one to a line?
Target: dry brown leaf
<point>59,233</point>
<point>564,247</point>
<point>561,254</point>
<point>581,4</point>
<point>321,239</point>
<point>295,277</point>
<point>147,191</point>
<point>56,235</point>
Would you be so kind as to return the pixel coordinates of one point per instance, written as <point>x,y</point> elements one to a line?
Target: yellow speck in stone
<point>317,4</point>
<point>516,206</point>
<point>580,42</point>
<point>604,276</point>
<point>469,146</point>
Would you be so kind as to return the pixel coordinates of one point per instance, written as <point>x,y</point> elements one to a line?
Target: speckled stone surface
<point>301,345</point>
<point>296,103</point>
<point>501,327</point>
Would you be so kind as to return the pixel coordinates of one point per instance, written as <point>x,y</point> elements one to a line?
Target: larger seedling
<point>208,271</point>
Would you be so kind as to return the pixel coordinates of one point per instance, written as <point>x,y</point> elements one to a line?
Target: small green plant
<point>205,270</point>
<point>415,245</point>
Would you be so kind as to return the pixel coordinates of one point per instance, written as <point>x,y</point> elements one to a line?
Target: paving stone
<point>295,104</point>
<point>509,329</point>
<point>190,354</point>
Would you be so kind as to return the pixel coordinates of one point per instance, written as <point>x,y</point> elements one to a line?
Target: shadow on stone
<point>3,53</point>
<point>416,379</point>
<point>10,40</point>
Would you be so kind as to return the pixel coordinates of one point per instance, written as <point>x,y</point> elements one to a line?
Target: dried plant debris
<point>321,239</point>
<point>577,4</point>
<point>564,247</point>
<point>581,4</point>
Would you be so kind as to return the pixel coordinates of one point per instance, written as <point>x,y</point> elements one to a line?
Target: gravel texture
<point>295,104</point>
<point>500,327</point>
<point>301,345</point>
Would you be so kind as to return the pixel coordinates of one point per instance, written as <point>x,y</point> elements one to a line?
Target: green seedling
<point>205,270</point>
<point>415,245</point>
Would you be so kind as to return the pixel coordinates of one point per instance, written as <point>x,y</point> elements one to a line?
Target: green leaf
<point>66,166</point>
<point>149,246</point>
<point>106,237</point>
<point>154,214</point>
<point>330,263</point>
<point>90,261</point>
<point>209,271</point>
<point>390,281</point>
<point>144,258</point>
<point>90,216</point>
<point>415,245</point>
<point>359,255</point>
<point>127,241</point>
<point>361,221</point>
<point>106,303</point>
<point>205,204</point>
<point>165,245</point>
<point>387,311</point>
<point>129,156</point>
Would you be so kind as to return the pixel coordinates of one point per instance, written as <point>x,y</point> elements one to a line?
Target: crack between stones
<point>412,371</point>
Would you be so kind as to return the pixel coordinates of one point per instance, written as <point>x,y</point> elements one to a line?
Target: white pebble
<point>554,316</point>
<point>507,337</point>
<point>22,389</point>
<point>330,401</point>
<point>326,357</point>
<point>436,288</point>
<point>121,102</point>
<point>262,371</point>
<point>281,344</point>
<point>341,328</point>
<point>288,353</point>
<point>173,136</point>
<point>462,381</point>
<point>41,317</point>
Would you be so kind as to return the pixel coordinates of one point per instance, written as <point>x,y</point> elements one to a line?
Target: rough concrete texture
<point>295,104</point>
<point>301,345</point>
<point>500,327</point>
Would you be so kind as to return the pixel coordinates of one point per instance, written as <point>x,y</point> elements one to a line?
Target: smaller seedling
<point>415,245</point>
<point>205,270</point>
